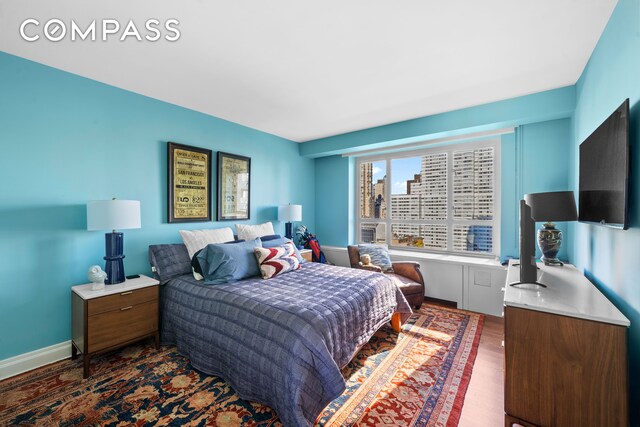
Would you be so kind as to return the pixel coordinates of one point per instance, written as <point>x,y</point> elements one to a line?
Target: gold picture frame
<point>234,187</point>
<point>189,183</point>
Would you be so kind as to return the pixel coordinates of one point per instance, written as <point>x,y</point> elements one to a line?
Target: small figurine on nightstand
<point>97,276</point>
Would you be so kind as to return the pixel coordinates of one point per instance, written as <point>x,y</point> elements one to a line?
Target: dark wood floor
<point>484,401</point>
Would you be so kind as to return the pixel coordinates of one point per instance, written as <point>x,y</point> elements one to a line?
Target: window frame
<point>494,143</point>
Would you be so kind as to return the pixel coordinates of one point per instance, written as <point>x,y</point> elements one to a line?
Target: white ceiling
<point>304,70</point>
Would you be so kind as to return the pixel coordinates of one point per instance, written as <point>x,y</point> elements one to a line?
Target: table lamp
<point>113,215</point>
<point>289,213</point>
<point>549,207</point>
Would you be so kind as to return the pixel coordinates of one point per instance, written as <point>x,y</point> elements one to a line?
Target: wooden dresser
<point>565,353</point>
<point>114,316</point>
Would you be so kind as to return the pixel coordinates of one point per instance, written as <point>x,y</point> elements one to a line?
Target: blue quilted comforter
<point>280,341</point>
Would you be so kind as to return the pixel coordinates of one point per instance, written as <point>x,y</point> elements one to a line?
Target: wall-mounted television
<point>604,172</point>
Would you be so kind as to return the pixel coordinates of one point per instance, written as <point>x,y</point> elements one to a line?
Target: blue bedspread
<point>280,341</point>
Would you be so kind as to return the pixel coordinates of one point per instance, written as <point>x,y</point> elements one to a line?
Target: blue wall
<point>334,197</point>
<point>66,140</point>
<point>610,257</point>
<point>534,160</point>
<point>545,154</point>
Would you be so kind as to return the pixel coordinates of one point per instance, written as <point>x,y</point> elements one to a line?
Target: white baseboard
<point>34,359</point>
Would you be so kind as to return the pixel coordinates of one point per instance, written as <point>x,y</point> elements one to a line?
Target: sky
<point>401,170</point>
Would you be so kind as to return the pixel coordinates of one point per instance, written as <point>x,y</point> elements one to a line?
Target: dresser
<point>112,317</point>
<point>565,352</point>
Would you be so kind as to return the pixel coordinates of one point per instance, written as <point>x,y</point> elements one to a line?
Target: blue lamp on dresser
<point>113,215</point>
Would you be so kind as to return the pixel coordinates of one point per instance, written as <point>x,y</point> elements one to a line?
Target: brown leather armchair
<point>405,273</point>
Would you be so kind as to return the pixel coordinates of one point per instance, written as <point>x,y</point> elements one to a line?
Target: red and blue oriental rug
<point>417,378</point>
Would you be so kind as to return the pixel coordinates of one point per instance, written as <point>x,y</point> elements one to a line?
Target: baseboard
<point>34,359</point>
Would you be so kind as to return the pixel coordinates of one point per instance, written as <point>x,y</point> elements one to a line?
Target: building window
<point>438,199</point>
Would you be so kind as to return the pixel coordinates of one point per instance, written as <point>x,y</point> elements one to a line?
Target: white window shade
<point>113,214</point>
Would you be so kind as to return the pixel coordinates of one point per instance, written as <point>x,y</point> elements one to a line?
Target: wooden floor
<point>484,401</point>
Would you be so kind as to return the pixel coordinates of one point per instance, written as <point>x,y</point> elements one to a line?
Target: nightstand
<point>113,317</point>
<point>306,254</point>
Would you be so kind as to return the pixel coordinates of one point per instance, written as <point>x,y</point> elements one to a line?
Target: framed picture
<point>234,179</point>
<point>189,179</point>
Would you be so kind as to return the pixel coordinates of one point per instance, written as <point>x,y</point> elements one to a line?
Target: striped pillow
<point>379,255</point>
<point>276,260</point>
<point>195,240</point>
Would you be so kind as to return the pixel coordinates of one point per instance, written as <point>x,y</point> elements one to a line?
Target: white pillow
<point>251,231</point>
<point>195,240</point>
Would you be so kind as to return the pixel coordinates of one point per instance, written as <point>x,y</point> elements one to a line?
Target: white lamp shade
<point>113,214</point>
<point>290,213</point>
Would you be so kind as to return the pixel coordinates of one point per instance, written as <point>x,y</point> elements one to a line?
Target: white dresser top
<point>85,292</point>
<point>568,293</point>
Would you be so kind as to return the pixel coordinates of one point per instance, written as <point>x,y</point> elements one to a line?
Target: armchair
<point>405,273</point>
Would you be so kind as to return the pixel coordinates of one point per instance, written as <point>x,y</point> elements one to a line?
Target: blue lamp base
<point>114,266</point>
<point>288,233</point>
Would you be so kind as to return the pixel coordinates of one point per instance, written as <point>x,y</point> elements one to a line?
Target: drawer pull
<point>126,293</point>
<point>126,308</point>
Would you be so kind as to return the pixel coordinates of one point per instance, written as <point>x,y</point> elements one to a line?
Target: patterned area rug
<point>417,378</point>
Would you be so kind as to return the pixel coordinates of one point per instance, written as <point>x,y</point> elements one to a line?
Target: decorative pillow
<point>195,262</point>
<point>195,240</point>
<point>169,261</point>
<point>251,231</point>
<point>379,255</point>
<point>222,263</point>
<point>272,243</point>
<point>278,260</point>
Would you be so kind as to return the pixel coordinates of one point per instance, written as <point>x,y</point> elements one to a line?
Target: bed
<point>280,341</point>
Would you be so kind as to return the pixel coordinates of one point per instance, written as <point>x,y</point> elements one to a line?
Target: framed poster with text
<point>234,179</point>
<point>189,194</point>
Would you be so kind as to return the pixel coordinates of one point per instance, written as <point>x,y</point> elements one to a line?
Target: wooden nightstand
<point>306,254</point>
<point>114,316</point>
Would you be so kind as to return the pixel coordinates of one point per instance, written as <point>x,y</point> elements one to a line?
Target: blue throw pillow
<point>195,261</point>
<point>379,255</point>
<point>223,263</point>
<point>279,242</point>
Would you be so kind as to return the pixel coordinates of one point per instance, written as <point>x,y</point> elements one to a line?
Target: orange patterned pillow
<point>276,260</point>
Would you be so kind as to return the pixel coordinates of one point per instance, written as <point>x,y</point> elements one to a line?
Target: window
<point>438,199</point>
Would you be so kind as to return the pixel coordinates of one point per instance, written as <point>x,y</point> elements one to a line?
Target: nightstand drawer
<point>123,299</point>
<point>124,324</point>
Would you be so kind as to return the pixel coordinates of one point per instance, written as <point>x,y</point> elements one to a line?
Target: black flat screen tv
<point>604,172</point>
